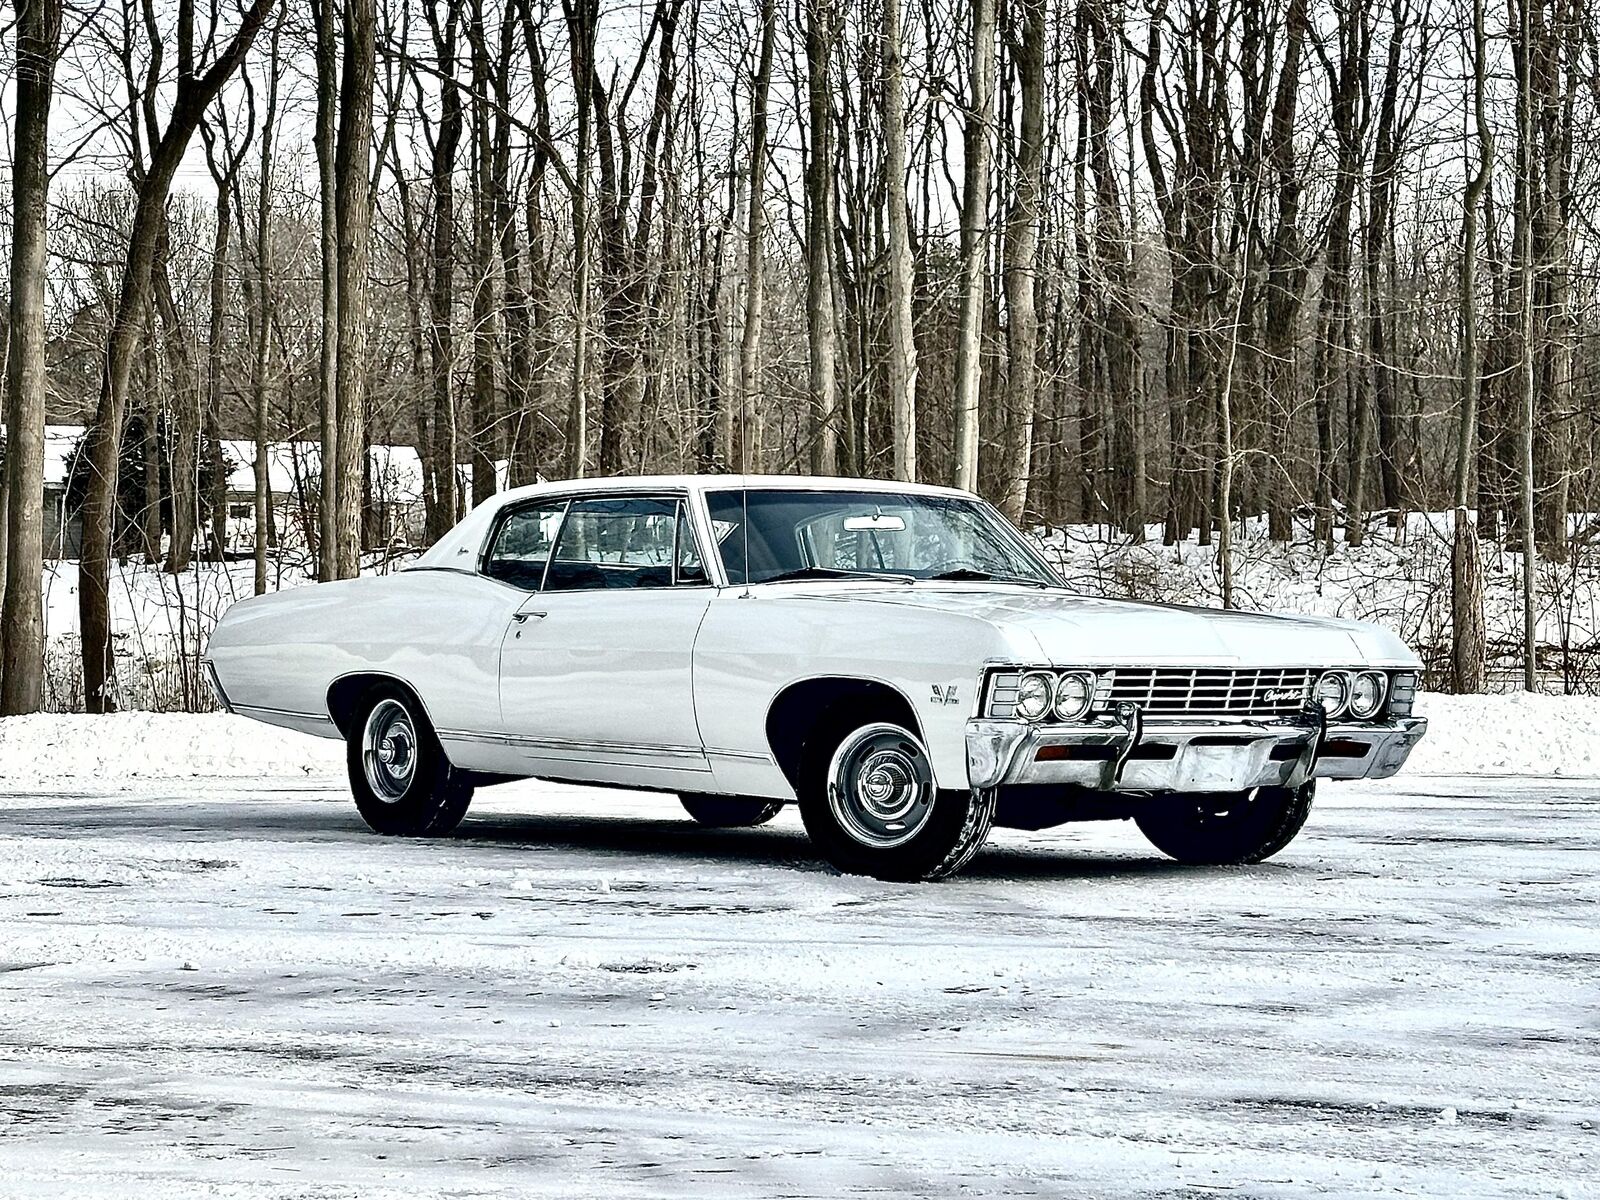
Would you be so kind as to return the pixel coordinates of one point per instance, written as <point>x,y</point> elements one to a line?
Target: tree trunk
<point>1022,254</point>
<point>752,405</point>
<point>263,314</point>
<point>441,295</point>
<point>582,16</point>
<point>1391,454</point>
<point>901,353</point>
<point>353,213</point>
<point>518,334</point>
<point>149,438</point>
<point>1467,632</point>
<point>974,243</point>
<point>485,256</point>
<point>186,403</point>
<point>1525,271</point>
<point>1286,274</point>
<point>822,32</point>
<point>1331,354</point>
<point>38,38</point>
<point>326,20</point>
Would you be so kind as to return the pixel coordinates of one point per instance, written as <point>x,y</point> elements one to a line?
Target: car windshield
<point>827,534</point>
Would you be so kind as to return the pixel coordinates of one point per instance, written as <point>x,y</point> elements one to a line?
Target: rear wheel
<point>729,812</point>
<point>402,781</point>
<point>1226,829</point>
<point>868,800</point>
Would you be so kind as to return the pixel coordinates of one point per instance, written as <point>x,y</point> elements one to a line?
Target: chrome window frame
<point>503,518</point>
<point>1005,531</point>
<point>682,500</point>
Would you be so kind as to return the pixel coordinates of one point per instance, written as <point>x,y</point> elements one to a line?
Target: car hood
<point>1075,630</point>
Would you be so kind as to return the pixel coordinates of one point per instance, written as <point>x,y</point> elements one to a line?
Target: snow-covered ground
<point>222,985</point>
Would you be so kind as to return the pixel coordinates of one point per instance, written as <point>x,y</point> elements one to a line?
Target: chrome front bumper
<point>1127,755</point>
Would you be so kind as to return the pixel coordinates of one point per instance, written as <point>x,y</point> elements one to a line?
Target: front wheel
<point>729,812</point>
<point>1228,829</point>
<point>868,801</point>
<point>403,783</point>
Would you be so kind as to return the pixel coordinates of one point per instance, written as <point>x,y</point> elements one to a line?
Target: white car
<point>896,659</point>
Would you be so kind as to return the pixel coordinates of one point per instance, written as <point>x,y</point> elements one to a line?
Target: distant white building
<point>293,483</point>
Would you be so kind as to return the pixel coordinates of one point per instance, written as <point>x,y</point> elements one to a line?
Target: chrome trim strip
<point>569,746</point>
<point>742,755</point>
<point>247,709</point>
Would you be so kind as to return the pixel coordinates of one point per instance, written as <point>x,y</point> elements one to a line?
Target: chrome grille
<point>1210,692</point>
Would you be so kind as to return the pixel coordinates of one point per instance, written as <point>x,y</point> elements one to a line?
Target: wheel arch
<point>797,711</point>
<point>346,691</point>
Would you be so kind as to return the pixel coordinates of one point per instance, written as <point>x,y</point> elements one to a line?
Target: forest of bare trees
<point>1155,265</point>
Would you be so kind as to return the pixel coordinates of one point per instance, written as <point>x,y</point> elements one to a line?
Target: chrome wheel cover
<point>389,750</point>
<point>880,786</point>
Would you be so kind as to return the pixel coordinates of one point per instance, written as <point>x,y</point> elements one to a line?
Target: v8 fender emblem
<point>948,694</point>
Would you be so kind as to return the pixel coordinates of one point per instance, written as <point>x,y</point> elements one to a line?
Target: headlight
<point>1074,695</point>
<point>1333,692</point>
<point>1366,695</point>
<point>1035,694</point>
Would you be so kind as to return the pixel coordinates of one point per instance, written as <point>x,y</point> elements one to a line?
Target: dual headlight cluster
<point>1358,694</point>
<point>1067,695</point>
<point>1038,695</point>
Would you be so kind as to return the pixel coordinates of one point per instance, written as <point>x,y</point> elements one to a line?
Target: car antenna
<point>744,527</point>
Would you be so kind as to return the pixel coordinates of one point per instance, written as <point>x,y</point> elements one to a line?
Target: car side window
<point>522,543</point>
<point>621,542</point>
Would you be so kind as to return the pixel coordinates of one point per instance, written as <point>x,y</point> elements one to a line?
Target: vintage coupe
<point>896,659</point>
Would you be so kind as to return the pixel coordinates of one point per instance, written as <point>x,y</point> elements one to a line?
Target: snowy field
<point>224,986</point>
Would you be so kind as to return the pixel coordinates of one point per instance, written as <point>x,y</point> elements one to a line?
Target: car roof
<point>468,536</point>
<point>638,483</point>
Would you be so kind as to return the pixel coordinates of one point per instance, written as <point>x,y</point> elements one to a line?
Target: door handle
<point>520,617</point>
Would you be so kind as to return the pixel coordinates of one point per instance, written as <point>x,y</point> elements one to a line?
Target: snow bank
<point>145,745</point>
<point>1515,734</point>
<point>1470,735</point>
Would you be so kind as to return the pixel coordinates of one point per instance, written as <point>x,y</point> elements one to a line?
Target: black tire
<point>729,812</point>
<point>1226,830</point>
<point>947,829</point>
<point>427,800</point>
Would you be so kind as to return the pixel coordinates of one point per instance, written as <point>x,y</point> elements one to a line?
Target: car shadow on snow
<point>781,846</point>
<point>330,819</point>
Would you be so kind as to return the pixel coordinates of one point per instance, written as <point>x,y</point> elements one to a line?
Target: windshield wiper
<point>831,573</point>
<point>969,575</point>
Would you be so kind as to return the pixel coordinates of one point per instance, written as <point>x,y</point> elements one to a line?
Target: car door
<point>595,669</point>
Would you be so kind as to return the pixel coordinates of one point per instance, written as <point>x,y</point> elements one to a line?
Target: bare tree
<point>974,241</point>
<point>353,217</point>
<point>485,267</point>
<point>1466,575</point>
<point>1526,157</point>
<point>822,33</point>
<point>1028,47</point>
<point>901,354</point>
<point>326,22</point>
<point>196,90</point>
<point>583,18</point>
<point>752,404</point>
<point>261,308</point>
<point>38,45</point>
